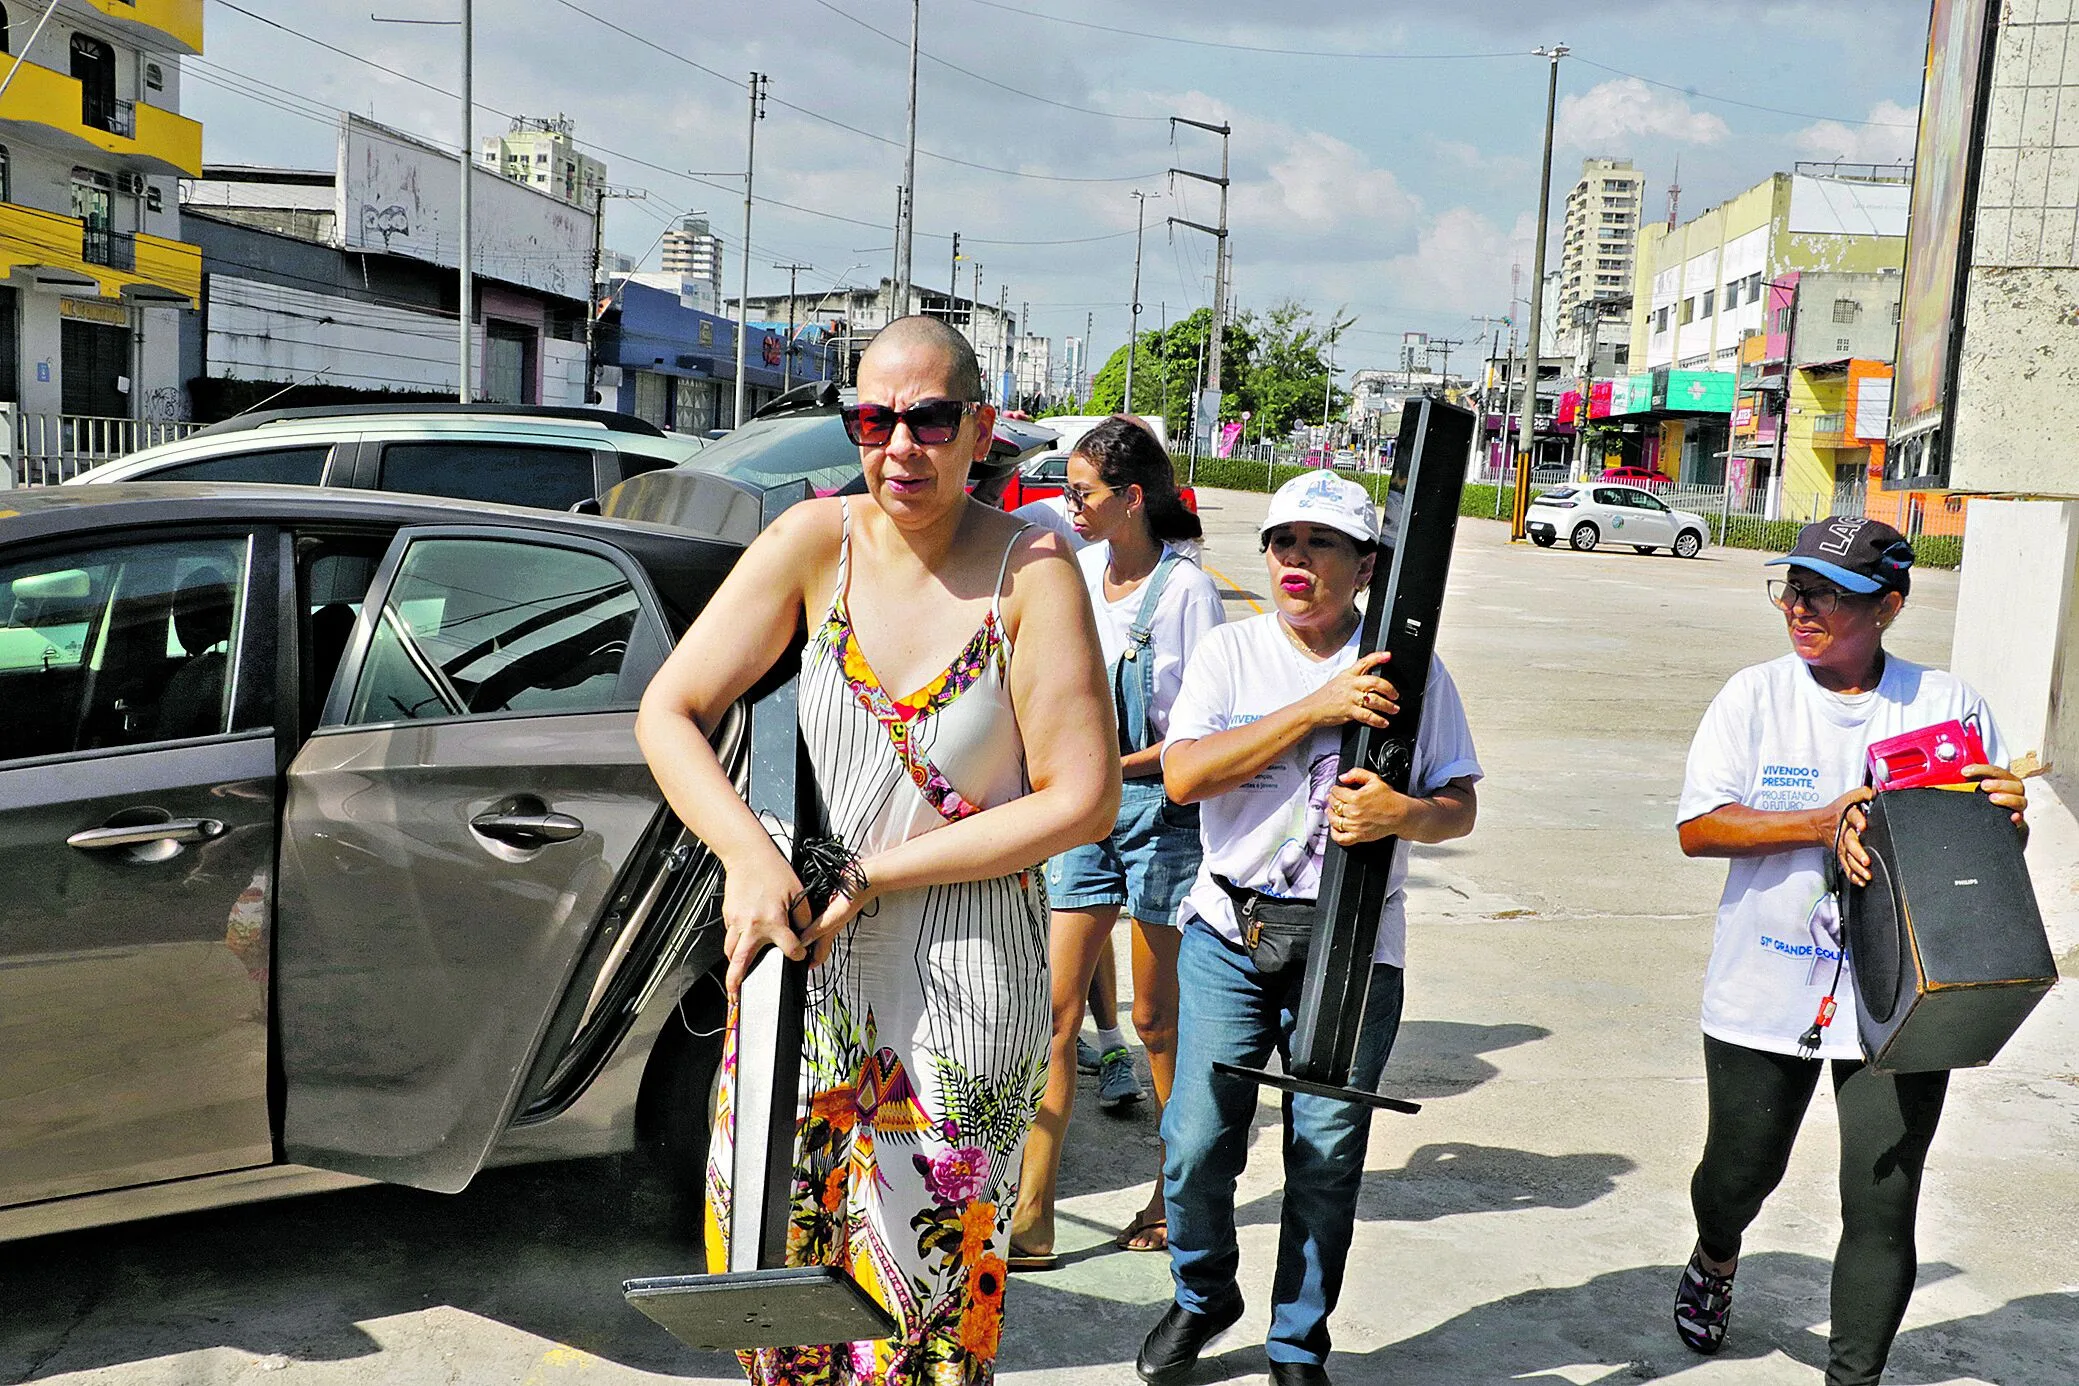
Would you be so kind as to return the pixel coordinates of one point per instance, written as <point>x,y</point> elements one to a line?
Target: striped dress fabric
<point>926,1048</point>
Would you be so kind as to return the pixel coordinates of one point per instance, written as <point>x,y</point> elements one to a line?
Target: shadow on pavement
<point>1620,1323</point>
<point>1441,1058</point>
<point>543,1249</point>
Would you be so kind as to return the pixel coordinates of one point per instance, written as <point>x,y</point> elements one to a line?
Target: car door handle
<point>137,834</point>
<point>528,829</point>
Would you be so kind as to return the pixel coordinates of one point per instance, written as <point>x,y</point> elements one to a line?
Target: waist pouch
<point>1275,930</point>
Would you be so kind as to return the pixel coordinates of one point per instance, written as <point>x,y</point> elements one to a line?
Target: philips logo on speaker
<point>1971,881</point>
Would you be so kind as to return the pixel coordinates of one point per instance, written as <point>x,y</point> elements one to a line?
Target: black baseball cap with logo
<point>1859,554</point>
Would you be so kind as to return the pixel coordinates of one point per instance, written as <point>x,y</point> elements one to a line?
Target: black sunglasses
<point>931,422</point>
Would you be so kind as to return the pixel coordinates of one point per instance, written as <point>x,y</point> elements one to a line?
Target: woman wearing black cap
<point>1776,764</point>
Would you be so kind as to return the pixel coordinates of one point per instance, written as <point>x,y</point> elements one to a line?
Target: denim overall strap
<point>1133,675</point>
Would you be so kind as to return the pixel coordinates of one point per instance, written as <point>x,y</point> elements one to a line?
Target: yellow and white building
<point>92,148</point>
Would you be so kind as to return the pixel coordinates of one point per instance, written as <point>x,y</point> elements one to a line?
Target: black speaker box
<point>1947,944</point>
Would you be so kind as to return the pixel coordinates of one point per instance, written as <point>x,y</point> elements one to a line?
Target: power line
<point>841,125</point>
<point>985,81</point>
<point>1747,105</point>
<point>1240,47</point>
<point>1415,57</point>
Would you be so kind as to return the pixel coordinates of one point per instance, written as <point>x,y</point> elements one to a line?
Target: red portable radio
<point>1931,756</point>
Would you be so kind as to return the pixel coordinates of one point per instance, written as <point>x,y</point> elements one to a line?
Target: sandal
<point>1703,1306</point>
<point>1022,1260</point>
<point>1147,1232</point>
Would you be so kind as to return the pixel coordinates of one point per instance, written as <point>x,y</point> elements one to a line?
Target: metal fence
<point>45,449</point>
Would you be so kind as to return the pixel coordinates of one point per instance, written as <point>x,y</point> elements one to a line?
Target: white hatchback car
<point>1587,513</point>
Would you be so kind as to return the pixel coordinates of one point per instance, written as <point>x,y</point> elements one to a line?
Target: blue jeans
<point>1230,1012</point>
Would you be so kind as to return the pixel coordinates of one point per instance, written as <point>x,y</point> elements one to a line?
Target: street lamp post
<point>743,302</point>
<point>1528,426</point>
<point>1133,331</point>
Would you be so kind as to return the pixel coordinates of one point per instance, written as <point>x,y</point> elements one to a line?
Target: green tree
<point>1286,379</point>
<point>1166,366</point>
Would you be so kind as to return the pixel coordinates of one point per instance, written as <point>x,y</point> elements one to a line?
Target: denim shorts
<point>1146,865</point>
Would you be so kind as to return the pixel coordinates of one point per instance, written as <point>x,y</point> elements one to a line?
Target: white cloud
<point>1320,183</point>
<point>1888,139</point>
<point>1626,108</point>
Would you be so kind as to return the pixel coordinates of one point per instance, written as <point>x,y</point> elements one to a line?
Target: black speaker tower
<point>1407,596</point>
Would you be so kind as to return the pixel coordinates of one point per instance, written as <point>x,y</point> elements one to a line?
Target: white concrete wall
<point>2016,640</point>
<point>268,332</point>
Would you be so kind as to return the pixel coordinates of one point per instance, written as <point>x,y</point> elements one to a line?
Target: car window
<point>1051,469</point>
<point>1608,495</point>
<point>1558,493</point>
<point>479,626</point>
<point>504,473</point>
<point>120,646</point>
<point>1646,502</point>
<point>286,466</point>
<point>811,448</point>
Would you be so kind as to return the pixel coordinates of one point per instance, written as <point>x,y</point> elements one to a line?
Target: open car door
<point>452,835</point>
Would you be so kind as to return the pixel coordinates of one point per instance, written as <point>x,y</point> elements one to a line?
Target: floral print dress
<point>926,1047</point>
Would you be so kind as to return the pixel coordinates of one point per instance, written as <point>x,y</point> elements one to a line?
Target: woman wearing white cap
<point>1254,740</point>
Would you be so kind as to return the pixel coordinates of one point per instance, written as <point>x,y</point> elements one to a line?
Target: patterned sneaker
<point>1703,1306</point>
<point>1088,1060</point>
<point>1117,1083</point>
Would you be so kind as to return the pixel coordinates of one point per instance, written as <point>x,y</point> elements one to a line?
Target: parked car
<point>1044,475</point>
<point>799,437</point>
<point>330,854</point>
<point>511,454</point>
<point>1636,476</point>
<point>1589,513</point>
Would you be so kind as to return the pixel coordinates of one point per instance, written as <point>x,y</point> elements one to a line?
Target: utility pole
<point>953,280</point>
<point>787,366</point>
<point>974,311</point>
<point>907,213</point>
<point>1089,380</point>
<point>1133,331</point>
<point>1526,438</point>
<point>1024,336</point>
<point>1219,234</point>
<point>592,309</point>
<point>743,301</point>
<point>1328,385</point>
<point>463,390</point>
<point>1002,363</point>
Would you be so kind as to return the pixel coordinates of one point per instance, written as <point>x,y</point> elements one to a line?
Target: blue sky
<point>1397,188</point>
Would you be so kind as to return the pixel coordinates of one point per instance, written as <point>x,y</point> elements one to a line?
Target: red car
<point>1637,476</point>
<point>1044,474</point>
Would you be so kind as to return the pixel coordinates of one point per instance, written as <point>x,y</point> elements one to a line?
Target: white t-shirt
<point>1051,512</point>
<point>1271,833</point>
<point>1189,607</point>
<point>1773,739</point>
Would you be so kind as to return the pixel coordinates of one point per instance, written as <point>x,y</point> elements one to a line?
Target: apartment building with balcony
<point>92,148</point>
<point>1598,245</point>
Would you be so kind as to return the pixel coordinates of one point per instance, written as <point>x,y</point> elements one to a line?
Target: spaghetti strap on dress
<point>926,1047</point>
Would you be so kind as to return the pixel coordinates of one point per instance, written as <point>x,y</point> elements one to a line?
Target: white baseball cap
<point>1324,499</point>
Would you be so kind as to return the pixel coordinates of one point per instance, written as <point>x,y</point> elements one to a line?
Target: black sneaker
<point>1703,1306</point>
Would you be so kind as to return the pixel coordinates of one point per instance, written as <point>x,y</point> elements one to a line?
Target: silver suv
<point>553,458</point>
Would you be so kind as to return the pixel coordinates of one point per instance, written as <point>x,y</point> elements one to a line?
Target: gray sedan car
<point>329,852</point>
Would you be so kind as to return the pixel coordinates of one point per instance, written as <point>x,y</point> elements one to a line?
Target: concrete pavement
<point>1527,1226</point>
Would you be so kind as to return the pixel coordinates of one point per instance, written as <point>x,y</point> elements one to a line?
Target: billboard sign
<point>1694,392</point>
<point>400,196</point>
<point>1938,243</point>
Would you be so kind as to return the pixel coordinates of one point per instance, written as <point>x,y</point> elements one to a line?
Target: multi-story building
<point>92,147</point>
<point>693,251</point>
<point>853,314</point>
<point>1032,368</point>
<point>1702,288</point>
<point>1599,243</point>
<point>541,153</point>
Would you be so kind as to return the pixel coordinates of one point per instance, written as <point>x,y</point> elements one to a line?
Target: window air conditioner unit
<point>130,184</point>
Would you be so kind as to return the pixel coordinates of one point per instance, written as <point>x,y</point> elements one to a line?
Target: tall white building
<point>541,153</point>
<point>693,251</point>
<point>1598,248</point>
